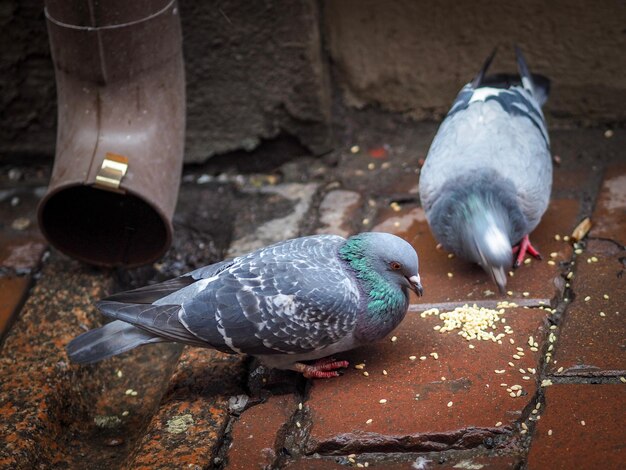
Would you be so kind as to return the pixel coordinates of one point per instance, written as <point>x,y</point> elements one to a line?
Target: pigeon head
<point>378,257</point>
<point>486,241</point>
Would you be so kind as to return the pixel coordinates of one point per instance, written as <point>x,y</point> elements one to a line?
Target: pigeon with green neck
<point>300,300</point>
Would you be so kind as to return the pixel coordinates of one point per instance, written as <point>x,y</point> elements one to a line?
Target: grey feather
<point>109,340</point>
<point>493,148</point>
<point>298,298</point>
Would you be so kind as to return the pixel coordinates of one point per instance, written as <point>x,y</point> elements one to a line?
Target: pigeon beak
<point>415,285</point>
<point>498,275</point>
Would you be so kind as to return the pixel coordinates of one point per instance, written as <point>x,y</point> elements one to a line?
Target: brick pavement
<point>473,404</point>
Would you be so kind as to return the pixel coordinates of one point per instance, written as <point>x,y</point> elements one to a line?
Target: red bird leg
<point>521,249</point>
<point>322,369</point>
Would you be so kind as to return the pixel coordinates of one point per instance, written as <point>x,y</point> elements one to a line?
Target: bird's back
<point>492,130</point>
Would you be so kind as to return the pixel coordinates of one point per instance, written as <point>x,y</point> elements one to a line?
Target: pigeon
<point>298,300</point>
<point>486,180</point>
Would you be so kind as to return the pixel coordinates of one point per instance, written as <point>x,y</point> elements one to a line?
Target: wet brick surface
<point>592,338</point>
<point>186,430</point>
<point>462,460</point>
<point>610,214</point>
<point>416,415</point>
<point>258,433</point>
<point>35,389</point>
<point>562,441</point>
<point>13,292</point>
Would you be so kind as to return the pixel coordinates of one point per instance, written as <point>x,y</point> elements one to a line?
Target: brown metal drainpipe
<point>121,123</point>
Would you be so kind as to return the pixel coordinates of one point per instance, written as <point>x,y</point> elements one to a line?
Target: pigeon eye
<point>395,265</point>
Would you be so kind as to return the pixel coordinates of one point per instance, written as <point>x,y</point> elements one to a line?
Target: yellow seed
<point>382,401</point>
<point>527,261</point>
<point>606,296</point>
<point>525,294</point>
<point>523,431</point>
<point>570,275</point>
<point>412,358</point>
<point>354,149</point>
<point>509,293</point>
<point>549,432</point>
<point>502,371</point>
<point>515,356</point>
<point>557,237</point>
<point>578,251</point>
<point>522,371</point>
<point>499,423</point>
<point>471,346</point>
<point>554,254</point>
<point>512,394</point>
<point>299,406</point>
<point>298,424</point>
<point>450,404</point>
<point>524,426</point>
<point>450,255</point>
<point>588,298</point>
<point>546,382</point>
<point>551,263</point>
<point>394,339</point>
<point>395,206</point>
<point>623,380</point>
<point>525,377</point>
<point>511,364</point>
<point>369,421</point>
<point>423,358</point>
<point>359,366</point>
<point>559,370</point>
<point>366,373</point>
<point>384,372</point>
<point>371,166</point>
<point>582,422</point>
<point>450,275</point>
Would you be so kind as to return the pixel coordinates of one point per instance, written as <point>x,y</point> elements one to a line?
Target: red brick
<point>259,431</point>
<point>609,217</point>
<point>590,344</point>
<point>410,462</point>
<point>13,292</point>
<point>41,398</point>
<point>597,444</point>
<point>469,282</point>
<point>340,408</point>
<point>188,427</point>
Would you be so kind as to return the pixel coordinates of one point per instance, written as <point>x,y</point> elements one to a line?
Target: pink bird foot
<point>521,249</point>
<point>322,369</point>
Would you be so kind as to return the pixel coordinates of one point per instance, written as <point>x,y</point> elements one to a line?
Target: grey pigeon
<point>487,177</point>
<point>297,300</point>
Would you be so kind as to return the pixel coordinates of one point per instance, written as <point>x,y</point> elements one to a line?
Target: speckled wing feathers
<point>292,297</point>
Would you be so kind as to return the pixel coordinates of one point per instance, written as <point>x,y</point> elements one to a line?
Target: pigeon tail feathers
<point>109,340</point>
<point>479,78</point>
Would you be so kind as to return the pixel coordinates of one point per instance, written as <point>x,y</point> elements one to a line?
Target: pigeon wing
<point>293,297</point>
